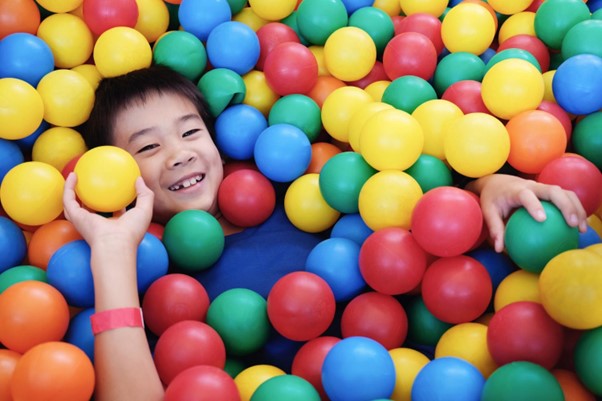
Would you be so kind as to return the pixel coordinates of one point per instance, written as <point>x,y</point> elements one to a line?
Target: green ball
<point>408,92</point>
<point>341,179</point>
<point>285,387</point>
<point>298,110</point>
<point>233,367</point>
<point>455,67</point>
<point>291,22</point>
<point>554,18</point>
<point>423,327</point>
<point>182,52</point>
<point>21,273</point>
<point>522,381</point>
<point>597,14</point>
<point>587,138</point>
<point>240,317</point>
<point>194,240</point>
<point>222,87</point>
<point>512,53</point>
<point>318,19</point>
<point>531,244</point>
<point>376,23</point>
<point>430,172</point>
<point>583,38</point>
<point>588,360</point>
<point>236,5</point>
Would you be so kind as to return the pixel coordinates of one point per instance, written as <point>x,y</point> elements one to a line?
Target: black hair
<point>115,94</point>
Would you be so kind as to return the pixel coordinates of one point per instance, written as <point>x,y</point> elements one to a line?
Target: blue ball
<point>590,237</point>
<point>282,152</point>
<point>199,17</point>
<point>10,156</point>
<point>69,272</point>
<point>13,246</point>
<point>26,57</point>
<point>26,144</point>
<point>152,261</point>
<point>233,45</point>
<point>353,227</point>
<point>498,265</point>
<point>237,129</point>
<point>336,260</point>
<point>353,5</point>
<point>358,369</point>
<point>80,333</point>
<point>594,5</point>
<point>577,84</point>
<point>449,379</point>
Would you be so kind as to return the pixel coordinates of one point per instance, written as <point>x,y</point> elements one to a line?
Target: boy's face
<point>176,154</point>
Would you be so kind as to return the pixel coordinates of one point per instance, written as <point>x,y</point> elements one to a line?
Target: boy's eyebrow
<point>184,118</point>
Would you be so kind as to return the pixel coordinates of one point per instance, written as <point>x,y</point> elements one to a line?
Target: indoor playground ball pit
<point>106,177</point>
<point>21,109</point>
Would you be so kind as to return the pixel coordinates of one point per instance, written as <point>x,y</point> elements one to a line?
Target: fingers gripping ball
<point>21,109</point>
<point>120,50</point>
<point>350,53</point>
<point>106,178</point>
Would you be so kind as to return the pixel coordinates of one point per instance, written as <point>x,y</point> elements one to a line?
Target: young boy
<point>160,118</point>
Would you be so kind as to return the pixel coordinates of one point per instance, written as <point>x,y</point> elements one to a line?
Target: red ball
<point>186,344</point>
<point>456,289</point>
<point>577,174</point>
<point>523,331</point>
<point>202,383</point>
<point>291,68</point>
<point>156,229</point>
<point>447,221</point>
<point>410,53</point>
<point>557,111</point>
<point>301,306</point>
<point>531,44</point>
<point>246,198</point>
<point>391,261</point>
<point>377,316</point>
<point>173,298</point>
<point>271,35</point>
<point>426,24</point>
<point>467,96</point>
<point>309,359</point>
<point>102,15</point>
<point>377,73</point>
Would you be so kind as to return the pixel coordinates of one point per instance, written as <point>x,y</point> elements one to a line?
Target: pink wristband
<point>116,318</point>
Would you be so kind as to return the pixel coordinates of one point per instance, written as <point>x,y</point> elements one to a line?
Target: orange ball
<point>54,369</point>
<point>47,239</point>
<point>18,16</point>
<point>572,388</point>
<point>32,312</point>
<point>321,152</point>
<point>323,87</point>
<point>8,362</point>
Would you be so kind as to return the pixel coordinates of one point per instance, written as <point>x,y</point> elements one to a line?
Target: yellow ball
<point>153,19</point>
<point>596,248</point>
<point>433,116</point>
<point>120,50</point>
<point>68,98</point>
<point>467,341</point>
<point>252,377</point>
<point>432,7</point>
<point>391,7</point>
<point>349,53</point>
<point>318,52</point>
<point>305,206</point>
<point>408,363</point>
<point>376,89</point>
<point>259,94</point>
<point>338,109</point>
<point>571,289</point>
<point>273,10</point>
<point>60,6</point>
<point>548,93</point>
<point>518,286</point>
<point>595,222</point>
<point>248,17</point>
<point>106,178</point>
<point>57,146</point>
<point>468,27</point>
<point>388,198</point>
<point>32,193</point>
<point>358,120</point>
<point>517,24</point>
<point>391,139</point>
<point>509,7</point>
<point>90,72</point>
<point>68,37</point>
<point>476,144</point>
<point>21,109</point>
<point>512,86</point>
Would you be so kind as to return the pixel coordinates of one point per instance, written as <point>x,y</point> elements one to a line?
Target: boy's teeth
<point>186,183</point>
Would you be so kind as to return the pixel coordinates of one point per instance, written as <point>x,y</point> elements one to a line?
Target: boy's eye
<point>147,148</point>
<point>190,132</point>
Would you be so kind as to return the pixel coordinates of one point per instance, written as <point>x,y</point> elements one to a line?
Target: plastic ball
<point>233,45</point>
<point>318,19</point>
<point>339,107</point>
<point>554,19</point>
<point>237,129</point>
<point>408,92</point>
<point>587,362</point>
<point>450,378</point>
<point>90,72</point>
<point>423,327</point>
<point>577,84</point>
<point>456,67</point>
<point>430,172</point>
<point>325,85</point>
<point>512,53</point>
<point>271,35</point>
<point>301,306</point>
<point>102,15</point>
<point>557,111</point>
<point>69,38</point>
<point>152,261</point>
<point>8,362</point>
<point>80,332</point>
<point>290,68</point>
<point>182,52</point>
<point>305,206</point>
<point>32,193</point>
<point>239,316</point>
<point>194,240</point>
<point>19,16</point>
<point>289,387</point>
<point>517,286</point>
<point>26,57</point>
<point>202,383</point>
<point>358,368</point>
<point>576,39</point>
<point>106,178</point>
<point>186,344</point>
<point>10,156</point>
<point>408,363</point>
<point>476,144</point>
<point>120,50</point>
<point>57,146</point>
<point>435,8</point>
<point>376,23</point>
<point>22,109</point>
<point>433,116</point>
<point>321,152</point>
<point>258,92</point>
<point>47,239</point>
<point>410,53</point>
<point>56,368</point>
<point>20,273</point>
<point>351,226</point>
<point>32,312</point>
<point>359,119</point>
<point>456,289</point>
<point>468,27</point>
<point>466,95</point>
<point>349,53</point>
<point>531,44</point>
<point>498,265</point>
<point>273,12</point>
<point>249,379</point>
<point>570,289</point>
<point>531,243</point>
<point>153,19</point>
<point>309,359</point>
<point>222,87</point>
<point>69,272</point>
<point>13,245</point>
<point>388,198</point>
<point>572,387</point>
<point>508,9</point>
<point>586,140</point>
<point>298,110</point>
<point>522,379</point>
